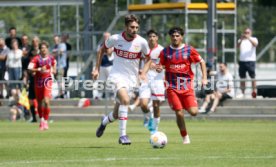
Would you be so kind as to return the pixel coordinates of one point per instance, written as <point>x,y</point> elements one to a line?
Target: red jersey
<point>38,62</point>
<point>177,62</point>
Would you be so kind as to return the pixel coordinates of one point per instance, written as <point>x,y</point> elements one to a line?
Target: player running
<point>154,88</point>
<point>177,60</point>
<point>43,65</point>
<point>128,48</point>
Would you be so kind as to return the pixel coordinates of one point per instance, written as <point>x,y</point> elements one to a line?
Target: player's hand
<point>152,66</point>
<point>95,74</point>
<point>44,68</point>
<point>142,76</point>
<point>159,68</point>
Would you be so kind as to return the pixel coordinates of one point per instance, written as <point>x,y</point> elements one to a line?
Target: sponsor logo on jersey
<point>177,66</point>
<point>127,55</point>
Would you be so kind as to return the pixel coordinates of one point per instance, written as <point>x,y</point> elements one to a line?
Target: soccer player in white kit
<point>154,88</point>
<point>128,48</point>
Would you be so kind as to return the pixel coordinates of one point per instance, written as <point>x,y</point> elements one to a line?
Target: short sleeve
<point>145,48</point>
<point>255,40</point>
<point>33,63</point>
<point>195,56</point>
<point>161,58</point>
<point>53,61</point>
<point>110,42</point>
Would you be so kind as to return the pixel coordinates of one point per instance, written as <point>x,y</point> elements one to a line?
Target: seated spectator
<point>16,109</point>
<point>224,89</point>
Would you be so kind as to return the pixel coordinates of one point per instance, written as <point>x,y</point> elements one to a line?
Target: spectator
<point>224,86</point>
<point>31,94</point>
<point>14,64</point>
<point>106,65</point>
<point>25,58</point>
<point>16,109</point>
<point>4,50</point>
<point>59,52</point>
<point>247,45</point>
<point>64,39</point>
<point>12,33</point>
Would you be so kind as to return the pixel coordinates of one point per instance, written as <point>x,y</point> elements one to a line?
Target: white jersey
<point>154,55</point>
<point>224,85</point>
<point>247,50</point>
<point>127,56</point>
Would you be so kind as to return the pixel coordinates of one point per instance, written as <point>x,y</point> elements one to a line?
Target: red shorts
<point>43,89</point>
<point>181,100</point>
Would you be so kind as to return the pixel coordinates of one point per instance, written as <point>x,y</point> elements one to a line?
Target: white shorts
<point>104,73</point>
<point>118,82</point>
<point>154,89</point>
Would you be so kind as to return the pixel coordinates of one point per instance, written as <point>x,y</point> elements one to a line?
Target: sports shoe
<point>124,140</point>
<point>100,129</point>
<point>254,94</point>
<point>186,140</point>
<point>150,126</point>
<point>146,121</point>
<point>46,127</point>
<point>41,126</point>
<point>202,110</point>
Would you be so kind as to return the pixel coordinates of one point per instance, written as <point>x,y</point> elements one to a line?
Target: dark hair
<point>44,43</point>
<point>223,63</point>
<point>131,18</point>
<point>176,30</point>
<point>151,31</point>
<point>12,28</point>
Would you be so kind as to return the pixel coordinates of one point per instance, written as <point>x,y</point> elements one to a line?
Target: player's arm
<point>95,72</point>
<point>196,58</point>
<point>146,66</point>
<point>32,67</point>
<point>54,67</point>
<point>109,51</point>
<point>204,72</point>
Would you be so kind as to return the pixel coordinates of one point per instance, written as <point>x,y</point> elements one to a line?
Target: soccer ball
<point>158,140</point>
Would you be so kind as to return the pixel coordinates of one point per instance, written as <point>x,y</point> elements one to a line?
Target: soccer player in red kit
<point>177,60</point>
<point>43,65</point>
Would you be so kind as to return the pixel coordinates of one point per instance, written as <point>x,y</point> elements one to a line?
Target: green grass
<point>214,144</point>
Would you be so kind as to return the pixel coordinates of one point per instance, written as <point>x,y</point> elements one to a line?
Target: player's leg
<point>107,119</point>
<point>157,96</point>
<point>136,102</point>
<point>124,98</point>
<point>144,95</point>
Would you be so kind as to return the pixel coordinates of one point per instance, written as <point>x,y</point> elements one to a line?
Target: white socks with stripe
<point>123,111</point>
<point>108,119</point>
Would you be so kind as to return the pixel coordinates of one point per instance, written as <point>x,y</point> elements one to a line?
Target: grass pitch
<point>214,144</point>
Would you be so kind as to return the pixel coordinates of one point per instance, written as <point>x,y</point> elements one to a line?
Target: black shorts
<point>31,94</point>
<point>247,66</point>
<point>2,74</point>
<point>224,97</point>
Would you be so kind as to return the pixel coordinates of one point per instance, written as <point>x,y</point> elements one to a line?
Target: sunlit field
<point>213,144</point>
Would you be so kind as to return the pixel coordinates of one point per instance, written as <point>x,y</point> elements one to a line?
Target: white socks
<point>108,119</point>
<point>156,122</point>
<point>123,111</point>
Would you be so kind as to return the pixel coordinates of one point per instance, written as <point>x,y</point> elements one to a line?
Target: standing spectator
<point>4,50</point>
<point>224,86</point>
<point>12,36</point>
<point>43,65</point>
<point>31,91</point>
<point>59,52</point>
<point>25,58</point>
<point>106,64</point>
<point>14,64</point>
<point>247,45</point>
<point>177,60</point>
<point>65,38</point>
<point>128,47</point>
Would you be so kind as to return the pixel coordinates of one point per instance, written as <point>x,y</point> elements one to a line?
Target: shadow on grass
<point>89,147</point>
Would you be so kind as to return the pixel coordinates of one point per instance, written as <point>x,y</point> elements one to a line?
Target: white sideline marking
<point>122,159</point>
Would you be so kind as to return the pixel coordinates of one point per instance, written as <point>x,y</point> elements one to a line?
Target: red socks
<point>183,133</point>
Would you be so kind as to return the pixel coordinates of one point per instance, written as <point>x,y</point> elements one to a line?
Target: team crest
<point>136,48</point>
